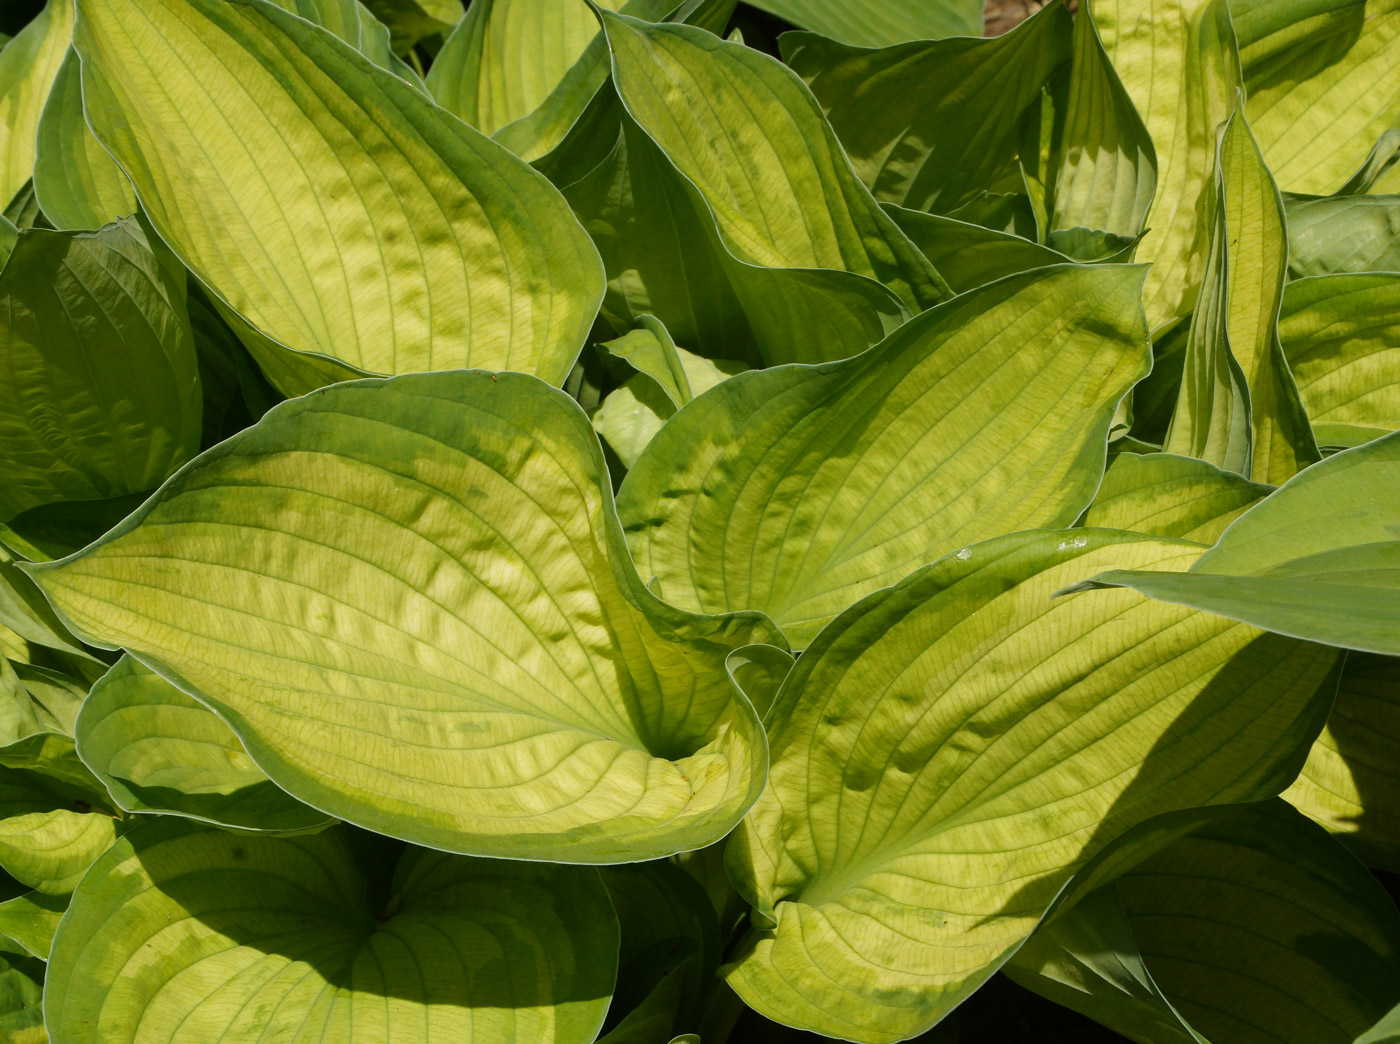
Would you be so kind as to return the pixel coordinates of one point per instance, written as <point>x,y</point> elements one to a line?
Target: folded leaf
<point>1342,342</point>
<point>876,23</point>
<point>799,490</point>
<point>969,255</point>
<point>951,749</point>
<point>1239,407</point>
<point>1344,234</point>
<point>28,65</point>
<point>283,935</point>
<point>77,184</point>
<point>1323,79</point>
<point>411,20</point>
<point>1177,61</point>
<point>1318,559</point>
<point>928,124</point>
<point>1349,783</point>
<point>1107,167</point>
<point>1171,496</point>
<point>100,395</point>
<point>412,601</point>
<point>327,202</point>
<point>743,120</point>
<point>158,750</point>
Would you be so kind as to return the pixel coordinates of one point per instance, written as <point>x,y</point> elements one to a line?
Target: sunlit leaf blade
<point>1239,407</point>
<point>282,937</point>
<point>950,750</point>
<point>1342,341</point>
<point>751,140</point>
<point>158,750</point>
<point>1323,81</point>
<point>929,124</point>
<point>356,25</point>
<point>28,65</point>
<point>1177,61</point>
<point>31,919</point>
<point>329,203</point>
<point>1319,558</point>
<point>1350,784</point>
<point>54,816</point>
<point>1344,234</point>
<point>1107,170</point>
<point>799,490</point>
<point>1255,928</point>
<point>877,23</point>
<point>1172,496</point>
<point>100,395</point>
<point>412,601</point>
<point>77,184</point>
<point>523,70</point>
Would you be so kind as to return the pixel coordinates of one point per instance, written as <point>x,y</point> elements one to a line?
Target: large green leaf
<point>1173,496</point>
<point>524,70</point>
<point>158,750</point>
<point>1177,61</point>
<point>1344,234</point>
<point>969,255</point>
<point>77,184</point>
<point>877,23</point>
<point>100,395</point>
<point>928,125</point>
<point>1255,928</point>
<point>1342,340</point>
<point>805,245</point>
<point>1107,168</point>
<point>799,490</point>
<point>327,202</point>
<point>1324,82</point>
<point>1350,783</point>
<point>1239,407</point>
<point>951,749</point>
<point>28,65</point>
<point>1319,558</point>
<point>284,938</point>
<point>412,601</point>
<point>31,919</point>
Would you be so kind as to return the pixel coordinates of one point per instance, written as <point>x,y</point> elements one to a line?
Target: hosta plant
<point>664,520</point>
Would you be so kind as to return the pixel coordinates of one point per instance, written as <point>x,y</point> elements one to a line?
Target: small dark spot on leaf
<point>238,852</point>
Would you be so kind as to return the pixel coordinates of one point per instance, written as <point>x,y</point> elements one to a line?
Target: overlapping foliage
<point>553,522</point>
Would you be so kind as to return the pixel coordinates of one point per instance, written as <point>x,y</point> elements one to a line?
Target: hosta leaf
<point>158,750</point>
<point>928,124</point>
<point>411,20</point>
<point>1107,169</point>
<point>950,750</point>
<point>77,184</point>
<point>280,937</point>
<point>101,390</point>
<point>1172,496</point>
<point>1319,558</point>
<point>1177,61</point>
<point>1239,407</point>
<point>412,601</point>
<point>30,920</point>
<point>356,25</point>
<point>523,70</point>
<point>1344,234</point>
<point>52,820</point>
<point>28,65</point>
<point>799,490</point>
<point>1349,783</point>
<point>25,611</point>
<point>754,150</point>
<point>876,23</point>
<point>1342,341</point>
<point>327,202</point>
<point>1323,78</point>
<point>21,999</point>
<point>1253,928</point>
<point>969,255</point>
